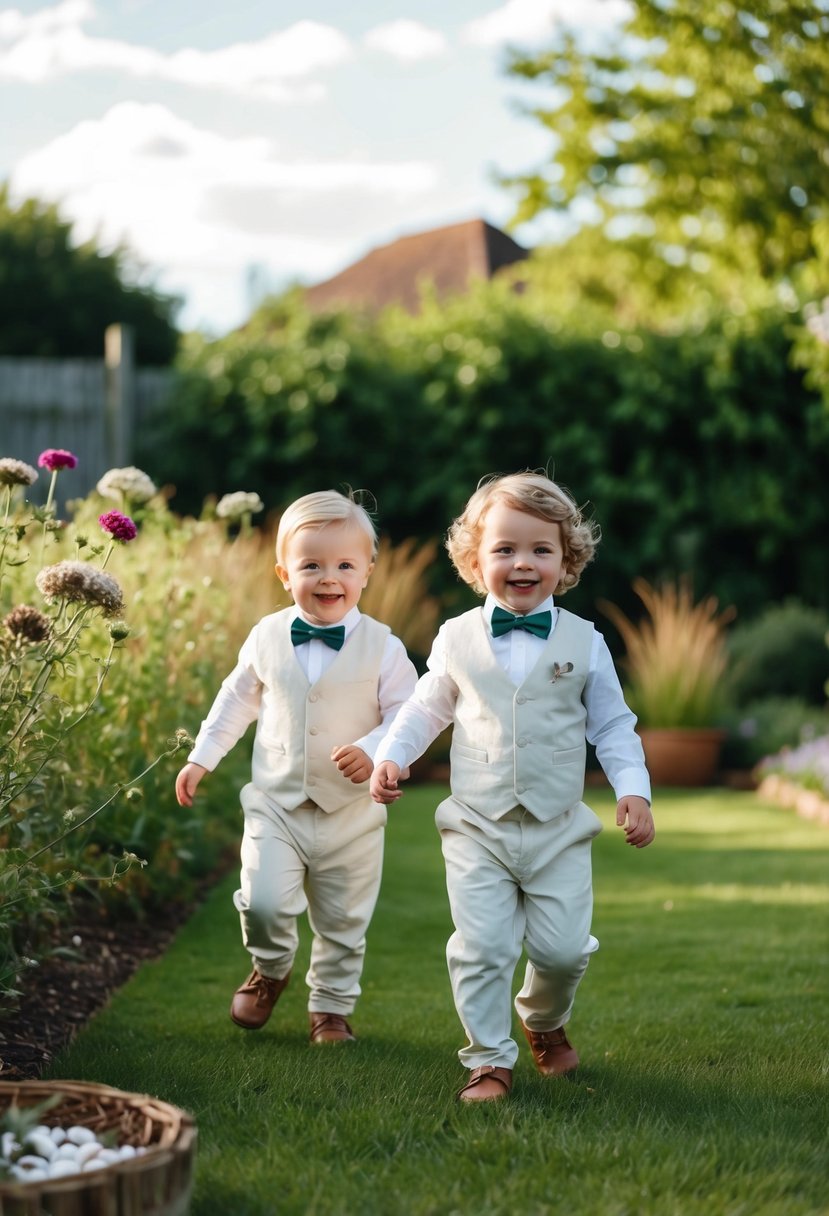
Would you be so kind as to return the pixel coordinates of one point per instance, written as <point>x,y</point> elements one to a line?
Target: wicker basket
<point>156,1183</point>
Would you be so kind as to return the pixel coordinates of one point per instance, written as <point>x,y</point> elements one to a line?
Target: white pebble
<point>108,1156</point>
<point>32,1162</point>
<point>86,1151</point>
<point>125,1152</point>
<point>42,1145</point>
<point>62,1168</point>
<point>57,1134</point>
<point>8,1145</point>
<point>94,1163</point>
<point>66,1152</point>
<point>80,1135</point>
<point>42,1129</point>
<point>23,1175</point>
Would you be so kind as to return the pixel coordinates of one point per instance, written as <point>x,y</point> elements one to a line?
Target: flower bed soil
<point>61,994</point>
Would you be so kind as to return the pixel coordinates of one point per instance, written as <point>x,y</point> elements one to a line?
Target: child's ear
<point>368,573</point>
<point>282,575</point>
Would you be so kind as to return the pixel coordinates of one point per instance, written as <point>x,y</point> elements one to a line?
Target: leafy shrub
<point>782,653</point>
<point>764,727</point>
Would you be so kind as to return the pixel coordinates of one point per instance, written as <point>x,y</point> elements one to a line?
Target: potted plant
<point>673,669</point>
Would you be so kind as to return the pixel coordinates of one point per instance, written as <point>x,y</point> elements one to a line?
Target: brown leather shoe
<point>253,1003</point>
<point>330,1028</point>
<point>554,1055</point>
<point>487,1084</point>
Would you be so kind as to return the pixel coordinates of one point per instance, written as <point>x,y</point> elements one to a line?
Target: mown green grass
<point>701,1023</point>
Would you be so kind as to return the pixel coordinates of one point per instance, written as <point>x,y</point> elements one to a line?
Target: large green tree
<point>57,296</point>
<point>704,131</point>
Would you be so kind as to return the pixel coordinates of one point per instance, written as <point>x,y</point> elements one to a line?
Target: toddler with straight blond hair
<point>323,682</point>
<point>524,684</point>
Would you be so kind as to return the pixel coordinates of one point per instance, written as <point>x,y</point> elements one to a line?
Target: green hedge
<point>699,453</point>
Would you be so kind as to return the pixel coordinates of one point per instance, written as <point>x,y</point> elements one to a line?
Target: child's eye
<point>504,549</point>
<point>346,566</point>
<point>310,566</point>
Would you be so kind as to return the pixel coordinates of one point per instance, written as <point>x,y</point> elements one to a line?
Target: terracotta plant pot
<point>682,755</point>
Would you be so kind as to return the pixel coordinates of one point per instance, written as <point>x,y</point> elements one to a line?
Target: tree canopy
<point>57,297</point>
<point>703,132</point>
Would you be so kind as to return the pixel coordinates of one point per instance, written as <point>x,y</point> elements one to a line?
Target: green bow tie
<point>540,623</point>
<point>301,632</point>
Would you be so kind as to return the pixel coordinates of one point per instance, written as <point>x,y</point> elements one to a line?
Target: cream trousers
<point>327,864</point>
<point>514,884</point>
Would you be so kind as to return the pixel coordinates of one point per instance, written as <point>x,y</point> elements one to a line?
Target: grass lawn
<point>702,1024</point>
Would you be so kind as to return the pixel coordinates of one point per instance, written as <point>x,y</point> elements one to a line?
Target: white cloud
<point>407,40</point>
<point>52,43</point>
<point>191,202</point>
<point>531,21</point>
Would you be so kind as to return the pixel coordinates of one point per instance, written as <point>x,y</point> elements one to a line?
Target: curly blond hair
<point>317,510</point>
<point>537,495</point>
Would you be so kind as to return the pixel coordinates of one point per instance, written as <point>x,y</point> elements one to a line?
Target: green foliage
<point>690,447</point>
<point>768,725</point>
<point>57,297</point>
<point>781,653</point>
<point>702,129</point>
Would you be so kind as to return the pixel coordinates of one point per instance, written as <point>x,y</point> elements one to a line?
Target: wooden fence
<point>92,407</point>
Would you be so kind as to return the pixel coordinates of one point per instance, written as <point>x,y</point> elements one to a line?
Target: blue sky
<point>236,146</point>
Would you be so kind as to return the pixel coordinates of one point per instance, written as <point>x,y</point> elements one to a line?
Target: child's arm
<point>639,830</point>
<point>384,781</point>
<point>396,684</point>
<point>187,783</point>
<point>353,762</point>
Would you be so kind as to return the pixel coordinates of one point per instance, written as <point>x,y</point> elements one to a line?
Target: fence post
<point>119,359</point>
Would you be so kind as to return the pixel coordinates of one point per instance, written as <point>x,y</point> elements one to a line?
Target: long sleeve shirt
<point>609,726</point>
<point>238,700</point>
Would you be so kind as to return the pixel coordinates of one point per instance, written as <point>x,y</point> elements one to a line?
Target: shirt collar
<point>350,620</point>
<point>490,603</point>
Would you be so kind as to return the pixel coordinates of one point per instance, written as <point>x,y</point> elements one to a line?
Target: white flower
<point>130,482</point>
<point>234,506</point>
<point>79,582</point>
<point>16,472</point>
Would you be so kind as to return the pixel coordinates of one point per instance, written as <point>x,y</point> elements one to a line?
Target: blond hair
<point>317,510</point>
<point>537,495</point>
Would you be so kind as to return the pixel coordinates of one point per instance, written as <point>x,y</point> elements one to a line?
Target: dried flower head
<point>27,624</point>
<point>16,472</point>
<point>120,527</point>
<point>54,459</point>
<point>181,739</point>
<point>234,506</point>
<point>79,582</point>
<point>119,630</point>
<point>130,482</point>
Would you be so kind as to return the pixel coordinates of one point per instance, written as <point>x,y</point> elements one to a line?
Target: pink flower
<point>120,527</point>
<point>56,458</point>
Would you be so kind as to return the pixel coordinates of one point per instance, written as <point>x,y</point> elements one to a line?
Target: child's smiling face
<point>520,558</point>
<point>326,570</point>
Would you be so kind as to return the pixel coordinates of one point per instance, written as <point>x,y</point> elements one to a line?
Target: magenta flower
<point>56,458</point>
<point>120,527</point>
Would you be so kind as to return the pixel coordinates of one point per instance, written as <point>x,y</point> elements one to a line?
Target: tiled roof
<point>449,258</point>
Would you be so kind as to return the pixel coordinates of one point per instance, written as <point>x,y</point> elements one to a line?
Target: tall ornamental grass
<point>675,657</point>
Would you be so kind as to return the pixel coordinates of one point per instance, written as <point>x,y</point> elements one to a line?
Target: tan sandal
<point>486,1084</point>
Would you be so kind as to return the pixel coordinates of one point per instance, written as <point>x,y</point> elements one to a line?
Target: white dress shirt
<point>237,701</point>
<point>609,727</point>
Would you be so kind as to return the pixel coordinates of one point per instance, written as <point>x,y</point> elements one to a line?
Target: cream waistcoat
<point>521,745</point>
<point>300,723</point>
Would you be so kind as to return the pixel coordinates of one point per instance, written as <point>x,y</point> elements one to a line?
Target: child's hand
<point>639,830</point>
<point>353,762</point>
<point>187,783</point>
<point>384,783</point>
